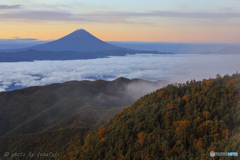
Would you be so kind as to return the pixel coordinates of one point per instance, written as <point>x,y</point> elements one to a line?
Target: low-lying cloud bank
<point>6,44</point>
<point>175,68</point>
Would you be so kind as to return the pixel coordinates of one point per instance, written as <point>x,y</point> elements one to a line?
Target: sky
<point>135,20</point>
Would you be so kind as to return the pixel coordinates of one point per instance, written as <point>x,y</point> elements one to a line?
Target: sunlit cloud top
<point>136,20</point>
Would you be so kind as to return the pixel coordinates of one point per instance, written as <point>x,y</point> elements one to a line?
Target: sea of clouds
<point>153,67</point>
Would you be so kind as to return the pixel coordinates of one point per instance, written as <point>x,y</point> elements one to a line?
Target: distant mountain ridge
<point>229,50</point>
<point>234,49</point>
<point>79,44</point>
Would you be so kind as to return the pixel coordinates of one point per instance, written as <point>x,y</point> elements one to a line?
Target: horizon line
<point>39,40</point>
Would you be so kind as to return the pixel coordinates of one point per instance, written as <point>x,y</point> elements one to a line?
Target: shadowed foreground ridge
<point>56,106</point>
<point>184,121</point>
<point>45,118</point>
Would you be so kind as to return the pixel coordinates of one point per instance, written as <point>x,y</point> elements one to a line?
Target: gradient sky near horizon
<point>135,20</point>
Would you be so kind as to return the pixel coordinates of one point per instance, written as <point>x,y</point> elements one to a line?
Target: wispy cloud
<point>203,15</point>
<point>18,39</point>
<point>182,5</point>
<point>25,39</point>
<point>113,16</point>
<point>10,6</point>
<point>226,8</point>
<point>230,0</point>
<point>44,15</point>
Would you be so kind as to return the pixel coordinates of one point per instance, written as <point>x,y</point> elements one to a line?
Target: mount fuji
<point>79,40</point>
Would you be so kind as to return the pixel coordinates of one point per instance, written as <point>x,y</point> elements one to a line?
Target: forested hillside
<point>43,119</point>
<point>75,103</point>
<point>184,121</point>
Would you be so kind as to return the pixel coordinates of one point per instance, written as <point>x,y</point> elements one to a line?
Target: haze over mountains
<point>80,44</point>
<point>229,50</point>
<point>174,47</point>
<point>77,45</point>
<point>164,47</point>
<point>60,105</point>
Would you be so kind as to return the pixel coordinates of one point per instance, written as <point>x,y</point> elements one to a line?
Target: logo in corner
<point>212,153</point>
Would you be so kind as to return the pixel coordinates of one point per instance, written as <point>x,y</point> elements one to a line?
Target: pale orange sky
<point>188,21</point>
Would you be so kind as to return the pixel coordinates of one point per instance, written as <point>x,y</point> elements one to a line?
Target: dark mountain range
<point>180,122</point>
<point>80,103</point>
<point>78,45</point>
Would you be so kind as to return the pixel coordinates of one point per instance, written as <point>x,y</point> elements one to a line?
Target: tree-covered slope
<point>43,119</point>
<point>56,106</point>
<point>184,121</point>
<point>33,144</point>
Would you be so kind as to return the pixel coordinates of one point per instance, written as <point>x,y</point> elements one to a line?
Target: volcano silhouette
<point>79,40</point>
